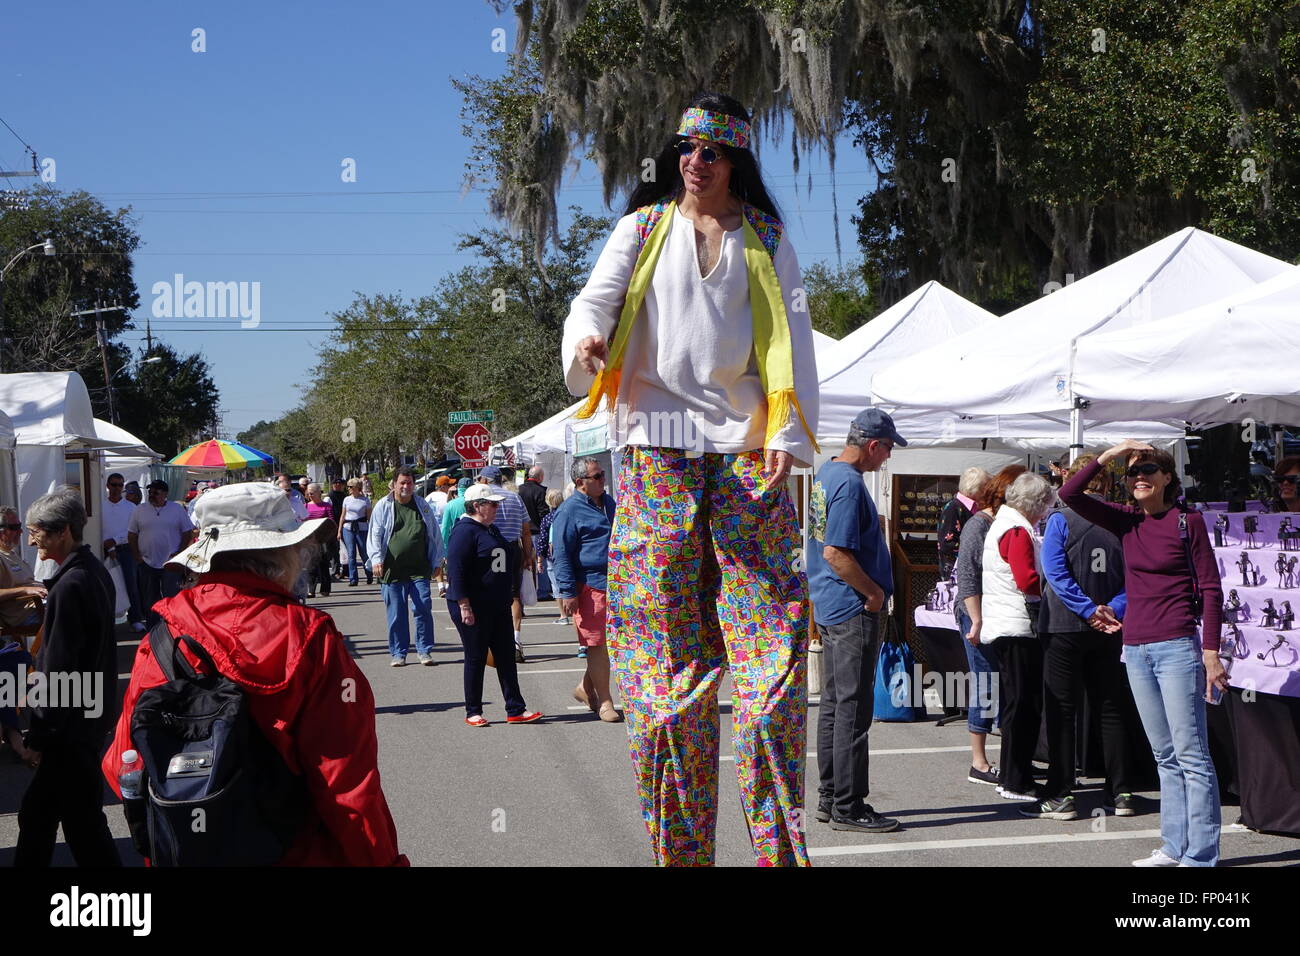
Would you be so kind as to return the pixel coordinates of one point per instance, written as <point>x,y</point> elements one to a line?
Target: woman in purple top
<point>1170,673</point>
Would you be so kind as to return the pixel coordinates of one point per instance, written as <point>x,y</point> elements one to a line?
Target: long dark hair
<point>746,181</point>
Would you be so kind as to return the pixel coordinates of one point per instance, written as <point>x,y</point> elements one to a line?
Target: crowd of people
<point>691,324</point>
<point>1105,600</point>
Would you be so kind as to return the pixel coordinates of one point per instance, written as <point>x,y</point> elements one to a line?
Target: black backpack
<point>215,791</point>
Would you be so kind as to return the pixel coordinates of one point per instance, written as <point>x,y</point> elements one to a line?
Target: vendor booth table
<point>1259,562</point>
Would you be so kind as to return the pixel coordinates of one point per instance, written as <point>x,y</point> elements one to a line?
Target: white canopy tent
<point>55,441</point>
<point>1223,362</point>
<point>128,455</point>
<point>939,441</point>
<point>1020,364</point>
<point>930,315</point>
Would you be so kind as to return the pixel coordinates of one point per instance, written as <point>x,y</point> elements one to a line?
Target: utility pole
<point>102,339</point>
<point>103,357</point>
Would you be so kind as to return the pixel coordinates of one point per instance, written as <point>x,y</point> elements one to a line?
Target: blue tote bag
<point>896,689</point>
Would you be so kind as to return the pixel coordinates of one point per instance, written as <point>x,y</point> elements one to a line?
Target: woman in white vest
<point>1012,590</point>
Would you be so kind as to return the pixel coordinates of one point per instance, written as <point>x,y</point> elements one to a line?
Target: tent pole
<point>1076,428</point>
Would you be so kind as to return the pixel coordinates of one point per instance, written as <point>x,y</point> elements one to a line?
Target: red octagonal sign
<point>472,442</point>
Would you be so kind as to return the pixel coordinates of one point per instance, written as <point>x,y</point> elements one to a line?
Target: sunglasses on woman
<point>707,153</point>
<point>1287,479</point>
<point>1146,468</point>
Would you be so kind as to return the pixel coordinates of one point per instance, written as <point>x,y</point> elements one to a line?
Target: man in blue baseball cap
<point>850,579</point>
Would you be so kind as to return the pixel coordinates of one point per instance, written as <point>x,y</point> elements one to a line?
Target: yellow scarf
<point>771,330</point>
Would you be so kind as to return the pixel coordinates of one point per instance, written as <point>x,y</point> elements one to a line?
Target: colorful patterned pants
<point>704,572</point>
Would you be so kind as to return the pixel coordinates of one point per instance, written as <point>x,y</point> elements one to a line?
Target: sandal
<point>609,714</point>
<point>478,720</point>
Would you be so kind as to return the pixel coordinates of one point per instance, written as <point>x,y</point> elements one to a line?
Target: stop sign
<point>472,442</point>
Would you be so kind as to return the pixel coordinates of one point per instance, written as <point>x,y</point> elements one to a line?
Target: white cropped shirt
<point>690,374</point>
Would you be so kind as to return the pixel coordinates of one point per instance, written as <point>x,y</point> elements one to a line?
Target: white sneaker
<point>1157,858</point>
<point>1012,795</point>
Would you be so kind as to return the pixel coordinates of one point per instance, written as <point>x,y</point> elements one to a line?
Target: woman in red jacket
<point>305,693</point>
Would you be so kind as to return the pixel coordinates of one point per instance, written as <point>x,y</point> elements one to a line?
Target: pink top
<point>319,511</point>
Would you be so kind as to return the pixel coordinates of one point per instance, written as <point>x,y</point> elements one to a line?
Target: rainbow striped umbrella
<point>218,453</point>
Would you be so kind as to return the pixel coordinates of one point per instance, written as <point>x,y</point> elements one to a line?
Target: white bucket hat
<point>244,517</point>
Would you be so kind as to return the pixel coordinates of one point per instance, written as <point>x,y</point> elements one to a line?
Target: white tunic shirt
<point>690,374</point>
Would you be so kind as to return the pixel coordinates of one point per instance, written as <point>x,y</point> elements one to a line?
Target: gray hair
<point>972,480</point>
<point>535,472</point>
<point>579,469</point>
<point>280,565</point>
<point>554,498</point>
<point>313,486</point>
<point>6,510</point>
<point>1032,495</point>
<point>857,435</point>
<point>58,510</point>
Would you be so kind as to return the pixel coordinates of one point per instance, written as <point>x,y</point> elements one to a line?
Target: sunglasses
<point>598,476</point>
<point>1287,479</point>
<point>708,154</point>
<point>1146,468</point>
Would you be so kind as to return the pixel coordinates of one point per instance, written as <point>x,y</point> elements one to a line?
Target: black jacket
<point>79,641</point>
<point>479,566</point>
<point>534,495</point>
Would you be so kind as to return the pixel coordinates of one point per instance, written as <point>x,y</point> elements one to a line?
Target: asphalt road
<point>560,792</point>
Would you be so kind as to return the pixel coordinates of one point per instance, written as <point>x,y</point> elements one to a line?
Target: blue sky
<point>231,158</point>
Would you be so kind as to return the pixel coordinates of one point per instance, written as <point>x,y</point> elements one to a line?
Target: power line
<point>16,136</point>
<point>352,194</point>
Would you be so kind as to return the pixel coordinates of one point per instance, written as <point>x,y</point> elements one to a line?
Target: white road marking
<point>558,670</point>
<point>812,754</point>
<point>904,846</point>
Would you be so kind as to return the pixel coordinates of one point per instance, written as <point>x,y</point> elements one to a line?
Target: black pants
<point>1020,670</point>
<point>69,789</point>
<point>155,584</point>
<point>1072,662</point>
<point>492,629</point>
<point>320,572</point>
<point>849,651</point>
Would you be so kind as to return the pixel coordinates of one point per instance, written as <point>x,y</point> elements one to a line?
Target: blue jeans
<point>354,541</point>
<point>544,590</point>
<point>983,703</point>
<point>126,561</point>
<point>399,627</point>
<point>1168,681</point>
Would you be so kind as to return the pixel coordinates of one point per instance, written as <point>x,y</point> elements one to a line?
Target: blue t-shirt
<point>842,514</point>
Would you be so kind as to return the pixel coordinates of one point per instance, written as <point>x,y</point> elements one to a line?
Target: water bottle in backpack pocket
<point>214,789</point>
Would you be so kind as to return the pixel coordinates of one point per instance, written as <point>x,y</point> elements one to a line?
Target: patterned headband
<point>715,127</point>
